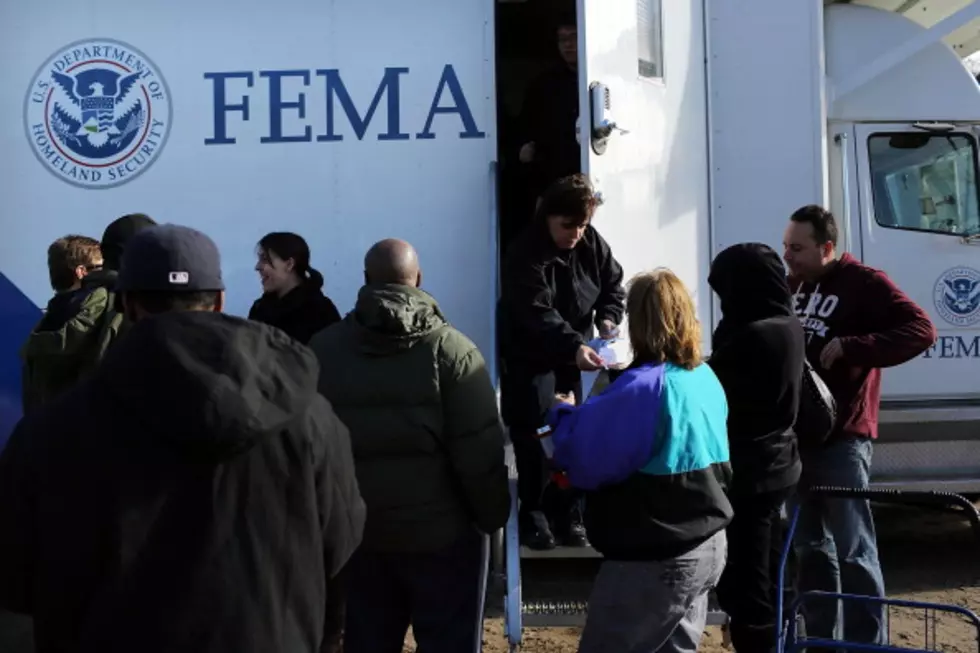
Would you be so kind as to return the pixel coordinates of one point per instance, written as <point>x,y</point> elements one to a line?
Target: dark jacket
<point>878,326</point>
<point>757,354</point>
<point>547,118</point>
<point>114,324</point>
<point>70,340</point>
<point>423,419</point>
<point>193,495</point>
<point>301,313</point>
<point>551,298</point>
<point>651,451</point>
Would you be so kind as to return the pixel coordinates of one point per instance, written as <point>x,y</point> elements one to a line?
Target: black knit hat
<point>118,233</point>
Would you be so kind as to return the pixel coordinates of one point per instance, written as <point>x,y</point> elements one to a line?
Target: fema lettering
<point>232,95</point>
<point>954,347</point>
<point>97,113</point>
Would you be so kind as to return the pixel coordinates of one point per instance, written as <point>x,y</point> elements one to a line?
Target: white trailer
<point>705,123</point>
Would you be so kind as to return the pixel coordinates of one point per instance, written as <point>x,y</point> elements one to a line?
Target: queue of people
<point>188,480</point>
<point>563,284</point>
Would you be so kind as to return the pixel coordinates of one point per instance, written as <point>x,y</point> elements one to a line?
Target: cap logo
<point>182,278</point>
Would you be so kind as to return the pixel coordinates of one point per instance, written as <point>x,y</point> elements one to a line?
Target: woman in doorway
<point>652,453</point>
<point>559,280</point>
<point>757,354</point>
<point>292,298</point>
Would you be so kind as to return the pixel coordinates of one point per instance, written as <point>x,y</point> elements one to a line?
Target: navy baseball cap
<point>170,258</point>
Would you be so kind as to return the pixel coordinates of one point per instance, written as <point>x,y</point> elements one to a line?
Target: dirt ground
<point>927,556</point>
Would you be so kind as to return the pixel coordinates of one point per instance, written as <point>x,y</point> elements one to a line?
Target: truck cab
<point>882,131</point>
<point>903,120</point>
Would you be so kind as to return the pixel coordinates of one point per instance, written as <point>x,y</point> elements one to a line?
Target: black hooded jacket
<point>757,353</point>
<point>193,495</point>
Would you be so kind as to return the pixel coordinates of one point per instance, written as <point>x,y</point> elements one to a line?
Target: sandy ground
<point>927,556</point>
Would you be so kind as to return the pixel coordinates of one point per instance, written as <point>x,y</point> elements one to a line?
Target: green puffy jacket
<point>422,413</point>
<point>68,342</point>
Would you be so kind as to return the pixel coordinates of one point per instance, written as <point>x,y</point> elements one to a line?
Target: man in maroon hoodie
<point>856,322</point>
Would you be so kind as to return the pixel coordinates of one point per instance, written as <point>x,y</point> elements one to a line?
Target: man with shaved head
<point>392,261</point>
<point>429,451</point>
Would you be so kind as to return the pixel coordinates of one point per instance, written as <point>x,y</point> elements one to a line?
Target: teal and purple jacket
<point>652,453</point>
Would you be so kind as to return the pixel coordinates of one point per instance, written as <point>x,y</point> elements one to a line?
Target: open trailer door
<point>642,108</point>
<point>619,83</point>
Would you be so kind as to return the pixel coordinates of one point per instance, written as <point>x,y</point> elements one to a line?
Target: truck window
<point>925,181</point>
<point>649,37</point>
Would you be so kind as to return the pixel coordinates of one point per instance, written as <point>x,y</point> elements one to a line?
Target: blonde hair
<point>663,326</point>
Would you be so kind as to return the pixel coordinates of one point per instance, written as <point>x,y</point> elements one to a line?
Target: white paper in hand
<point>614,352</point>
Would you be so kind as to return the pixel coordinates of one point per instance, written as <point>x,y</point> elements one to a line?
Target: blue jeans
<point>835,541</point>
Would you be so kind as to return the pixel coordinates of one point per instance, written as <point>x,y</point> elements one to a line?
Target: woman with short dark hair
<point>559,281</point>
<point>293,298</point>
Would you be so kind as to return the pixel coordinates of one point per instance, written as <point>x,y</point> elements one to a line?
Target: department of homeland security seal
<point>957,296</point>
<point>98,113</point>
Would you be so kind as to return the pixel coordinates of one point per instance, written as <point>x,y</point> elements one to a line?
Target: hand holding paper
<point>588,360</point>
<point>615,352</point>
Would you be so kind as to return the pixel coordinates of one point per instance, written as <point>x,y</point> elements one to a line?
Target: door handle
<point>845,163</point>
<point>602,122</point>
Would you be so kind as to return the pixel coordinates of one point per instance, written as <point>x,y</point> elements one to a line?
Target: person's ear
<point>219,302</point>
<point>418,280</point>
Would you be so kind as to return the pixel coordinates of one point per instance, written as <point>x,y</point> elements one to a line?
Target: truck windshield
<point>925,181</point>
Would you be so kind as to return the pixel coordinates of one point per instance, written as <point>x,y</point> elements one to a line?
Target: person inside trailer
<point>550,149</point>
<point>651,451</point>
<point>559,281</point>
